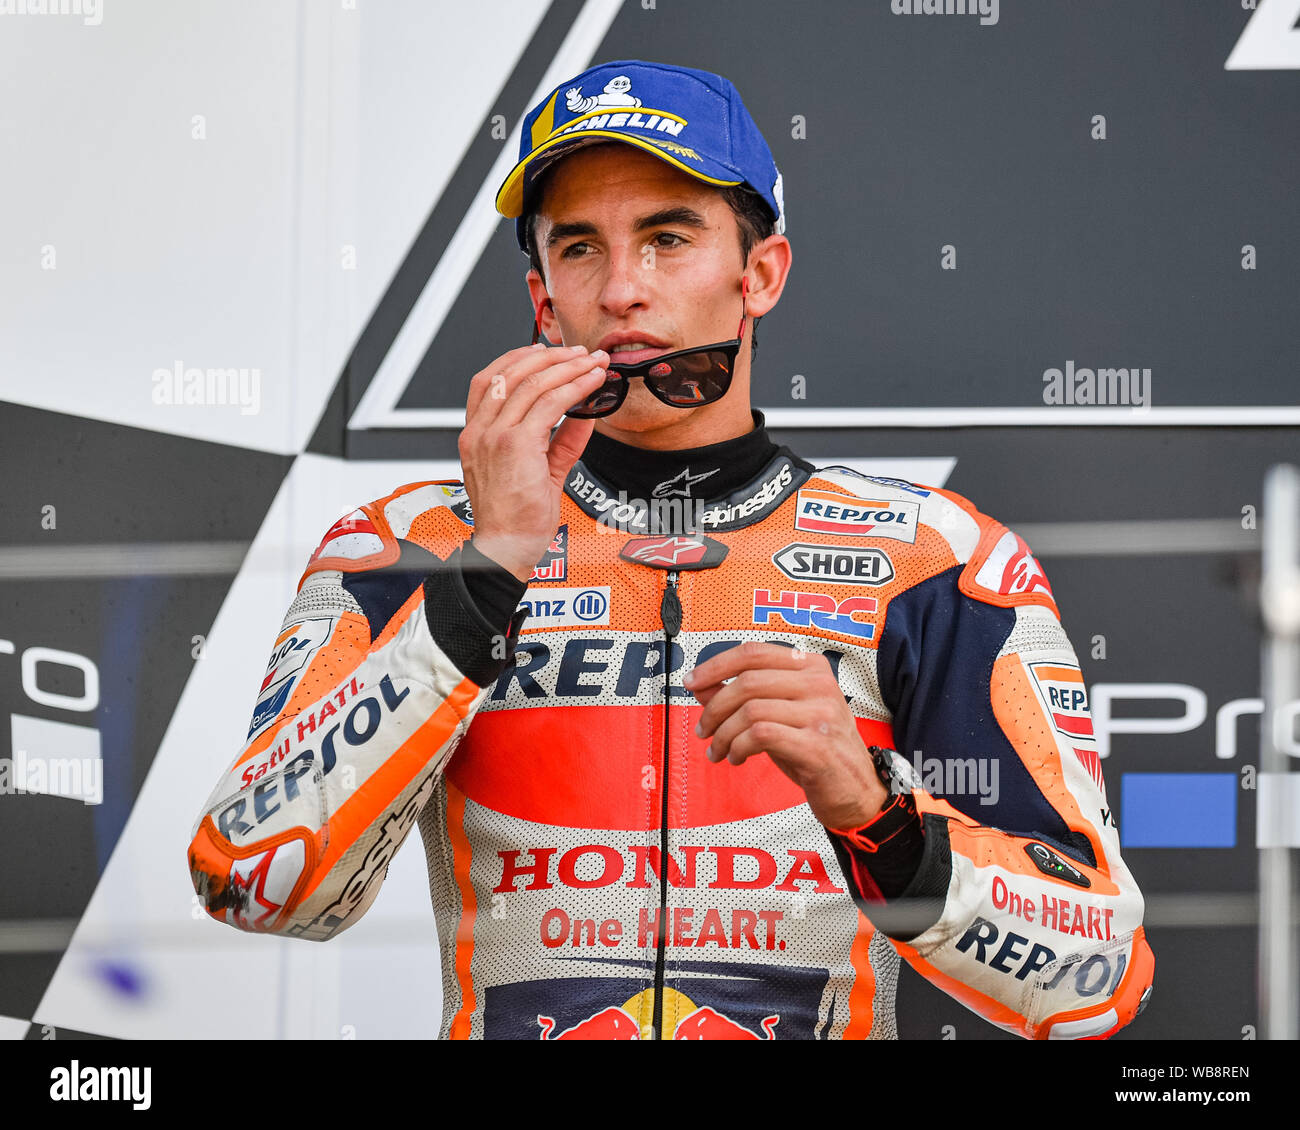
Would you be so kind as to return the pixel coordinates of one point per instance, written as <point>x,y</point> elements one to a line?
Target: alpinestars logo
<point>769,492</point>
<point>376,862</point>
<point>1271,41</point>
<point>677,552</point>
<point>253,904</point>
<point>681,483</point>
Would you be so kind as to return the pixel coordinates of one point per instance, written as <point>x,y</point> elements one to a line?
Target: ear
<point>767,269</point>
<point>542,308</point>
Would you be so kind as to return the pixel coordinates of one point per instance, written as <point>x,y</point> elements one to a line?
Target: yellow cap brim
<point>510,196</point>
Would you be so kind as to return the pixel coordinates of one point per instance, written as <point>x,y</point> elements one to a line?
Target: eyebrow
<point>681,216</point>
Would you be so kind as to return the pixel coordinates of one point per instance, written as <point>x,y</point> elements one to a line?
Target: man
<point>658,800</point>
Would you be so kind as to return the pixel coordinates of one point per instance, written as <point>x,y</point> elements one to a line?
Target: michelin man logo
<point>778,194</point>
<point>614,94</point>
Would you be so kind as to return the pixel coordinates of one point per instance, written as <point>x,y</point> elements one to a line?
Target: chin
<point>644,413</point>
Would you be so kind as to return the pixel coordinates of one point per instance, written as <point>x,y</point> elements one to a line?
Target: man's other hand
<point>787,703</point>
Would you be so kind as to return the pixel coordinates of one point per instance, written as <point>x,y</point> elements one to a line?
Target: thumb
<point>568,442</point>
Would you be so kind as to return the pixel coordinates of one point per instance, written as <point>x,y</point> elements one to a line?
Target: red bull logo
<point>683,1020</point>
<point>554,565</point>
<point>609,1024</point>
<point>710,1024</point>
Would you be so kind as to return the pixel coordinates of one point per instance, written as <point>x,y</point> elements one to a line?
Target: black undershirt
<point>707,472</point>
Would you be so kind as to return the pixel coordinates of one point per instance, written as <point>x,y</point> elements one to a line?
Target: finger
<point>752,684</point>
<point>750,655</point>
<point>705,695</point>
<point>570,379</point>
<point>493,385</point>
<point>748,714</point>
<point>788,746</point>
<point>481,382</point>
<point>555,401</point>
<point>567,445</point>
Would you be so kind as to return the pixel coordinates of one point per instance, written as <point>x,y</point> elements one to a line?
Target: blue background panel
<point>1178,810</point>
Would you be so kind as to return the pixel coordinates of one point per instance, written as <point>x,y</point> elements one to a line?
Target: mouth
<point>630,348</point>
<point>634,356</point>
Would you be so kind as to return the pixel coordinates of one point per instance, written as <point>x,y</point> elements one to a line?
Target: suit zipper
<point>670,615</point>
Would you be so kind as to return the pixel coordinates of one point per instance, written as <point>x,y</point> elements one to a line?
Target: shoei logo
<point>840,565</point>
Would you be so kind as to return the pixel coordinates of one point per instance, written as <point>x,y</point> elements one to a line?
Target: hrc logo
<point>816,610</point>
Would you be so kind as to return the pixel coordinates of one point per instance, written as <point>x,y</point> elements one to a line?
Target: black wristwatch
<point>898,815</point>
<point>894,772</point>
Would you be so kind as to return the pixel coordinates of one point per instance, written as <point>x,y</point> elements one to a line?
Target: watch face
<point>904,776</point>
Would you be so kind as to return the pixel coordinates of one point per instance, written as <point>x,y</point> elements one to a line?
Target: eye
<point>669,239</point>
<point>575,251</point>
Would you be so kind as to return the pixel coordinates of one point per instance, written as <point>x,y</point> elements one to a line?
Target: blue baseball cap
<point>692,119</point>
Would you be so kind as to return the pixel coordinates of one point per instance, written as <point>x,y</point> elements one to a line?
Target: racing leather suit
<point>552,765</point>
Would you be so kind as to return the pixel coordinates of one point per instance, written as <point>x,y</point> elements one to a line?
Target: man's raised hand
<point>514,468</point>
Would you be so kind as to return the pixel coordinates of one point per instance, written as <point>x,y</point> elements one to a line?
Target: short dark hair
<point>754,220</point>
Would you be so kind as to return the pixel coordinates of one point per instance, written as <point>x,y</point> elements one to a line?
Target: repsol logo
<point>602,865</point>
<point>1089,976</point>
<point>360,725</point>
<point>589,667</point>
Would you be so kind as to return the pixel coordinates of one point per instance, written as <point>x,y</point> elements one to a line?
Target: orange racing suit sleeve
<point>380,664</point>
<point>1019,904</point>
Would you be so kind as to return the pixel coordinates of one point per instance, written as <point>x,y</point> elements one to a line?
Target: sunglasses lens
<point>692,378</point>
<point>601,402</point>
<point>698,379</point>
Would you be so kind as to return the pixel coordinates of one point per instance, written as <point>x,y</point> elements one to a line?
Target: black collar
<point>720,486</point>
<point>704,473</point>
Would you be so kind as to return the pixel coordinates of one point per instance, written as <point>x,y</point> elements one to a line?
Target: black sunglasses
<point>686,378</point>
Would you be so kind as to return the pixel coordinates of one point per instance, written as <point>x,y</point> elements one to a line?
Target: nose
<point>626,283</point>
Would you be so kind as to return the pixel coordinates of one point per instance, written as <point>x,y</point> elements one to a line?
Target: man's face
<point>641,260</point>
